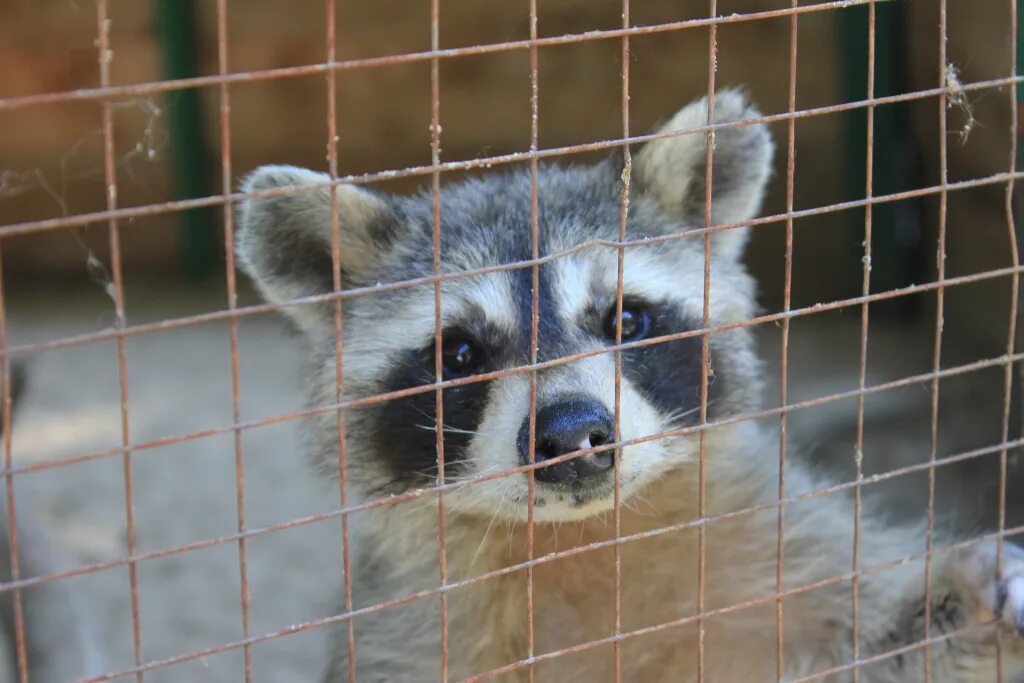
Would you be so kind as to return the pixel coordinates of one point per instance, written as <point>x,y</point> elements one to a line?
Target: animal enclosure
<point>157,438</point>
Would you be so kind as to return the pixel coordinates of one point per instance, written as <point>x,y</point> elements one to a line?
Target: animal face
<point>487,320</point>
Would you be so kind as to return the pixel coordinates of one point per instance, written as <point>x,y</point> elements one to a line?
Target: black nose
<point>565,426</point>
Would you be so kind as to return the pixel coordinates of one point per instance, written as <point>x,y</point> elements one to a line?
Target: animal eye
<point>460,357</point>
<point>635,323</point>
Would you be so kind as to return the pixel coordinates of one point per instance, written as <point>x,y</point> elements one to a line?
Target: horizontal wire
<point>724,611</point>
<point>327,621</point>
<point>115,92</point>
<point>488,162</point>
<point>419,493</point>
<point>483,377</point>
<point>150,88</point>
<point>255,309</point>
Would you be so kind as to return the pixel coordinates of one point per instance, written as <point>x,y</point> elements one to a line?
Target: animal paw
<point>994,595</point>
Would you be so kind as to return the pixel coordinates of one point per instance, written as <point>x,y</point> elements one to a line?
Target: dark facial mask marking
<point>668,374</point>
<point>404,428</point>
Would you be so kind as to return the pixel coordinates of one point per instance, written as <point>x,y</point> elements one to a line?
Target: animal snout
<point>563,426</point>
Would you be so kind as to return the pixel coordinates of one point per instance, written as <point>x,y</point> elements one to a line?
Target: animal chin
<point>568,502</point>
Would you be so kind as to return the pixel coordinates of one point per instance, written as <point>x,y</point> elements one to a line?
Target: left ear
<point>671,170</point>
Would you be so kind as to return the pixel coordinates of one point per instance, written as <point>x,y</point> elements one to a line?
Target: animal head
<point>388,342</point>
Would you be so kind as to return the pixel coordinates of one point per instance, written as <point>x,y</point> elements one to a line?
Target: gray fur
<point>672,169</point>
<point>486,221</point>
<point>60,641</point>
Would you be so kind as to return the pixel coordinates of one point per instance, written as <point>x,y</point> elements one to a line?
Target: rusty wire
<point>106,94</point>
<point>562,360</point>
<point>339,377</point>
<point>705,340</point>
<point>214,316</point>
<point>81,219</point>
<point>683,431</point>
<point>135,90</point>
<point>787,291</point>
<point>11,510</point>
<point>531,448</point>
<point>435,158</point>
<point>858,454</point>
<point>105,56</point>
<point>326,621</point>
<point>302,521</point>
<point>620,265</point>
<point>227,181</point>
<point>1011,336</point>
<point>940,264</point>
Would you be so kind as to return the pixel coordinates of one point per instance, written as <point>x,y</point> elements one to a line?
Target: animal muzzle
<point>565,425</point>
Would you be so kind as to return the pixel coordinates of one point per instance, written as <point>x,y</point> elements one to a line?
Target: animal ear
<point>672,170</point>
<point>284,241</point>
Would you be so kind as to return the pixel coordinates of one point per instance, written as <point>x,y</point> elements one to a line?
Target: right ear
<point>284,241</point>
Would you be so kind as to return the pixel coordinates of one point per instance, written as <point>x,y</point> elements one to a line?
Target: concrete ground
<point>179,381</point>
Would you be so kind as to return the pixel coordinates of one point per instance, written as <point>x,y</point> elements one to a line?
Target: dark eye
<point>636,323</point>
<point>461,357</point>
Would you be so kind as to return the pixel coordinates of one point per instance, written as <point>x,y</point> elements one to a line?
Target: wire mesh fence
<point>337,403</point>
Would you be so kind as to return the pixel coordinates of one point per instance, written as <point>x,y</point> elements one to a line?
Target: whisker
<point>431,472</point>
<point>448,429</point>
<point>672,419</point>
<point>457,430</point>
<point>487,531</point>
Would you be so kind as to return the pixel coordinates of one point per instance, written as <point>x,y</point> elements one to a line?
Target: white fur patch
<point>371,343</point>
<point>495,447</point>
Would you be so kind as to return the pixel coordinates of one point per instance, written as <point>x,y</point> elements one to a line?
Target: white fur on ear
<point>671,170</point>
<point>284,241</point>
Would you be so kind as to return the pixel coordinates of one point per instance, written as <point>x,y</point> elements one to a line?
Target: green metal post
<point>896,256</point>
<point>177,24</point>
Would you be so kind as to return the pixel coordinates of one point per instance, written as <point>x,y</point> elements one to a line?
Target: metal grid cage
<point>947,89</point>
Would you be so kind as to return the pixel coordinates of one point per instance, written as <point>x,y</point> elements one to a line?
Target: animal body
<point>60,641</point>
<point>388,345</point>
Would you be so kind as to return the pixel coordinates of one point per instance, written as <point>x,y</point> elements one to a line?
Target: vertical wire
<point>862,371</point>
<point>110,177</point>
<point>1011,333</point>
<point>627,168</point>
<point>705,363</point>
<point>8,459</point>
<point>780,666</point>
<point>940,264</point>
<point>229,253</point>
<point>534,329</point>
<point>339,325</point>
<point>12,519</point>
<point>435,158</point>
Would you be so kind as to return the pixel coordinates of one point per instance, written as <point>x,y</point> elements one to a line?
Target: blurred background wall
<point>50,156</point>
<point>168,146</point>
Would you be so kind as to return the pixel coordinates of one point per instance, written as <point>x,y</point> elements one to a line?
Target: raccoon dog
<point>285,244</point>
